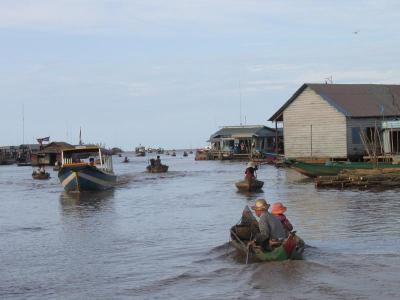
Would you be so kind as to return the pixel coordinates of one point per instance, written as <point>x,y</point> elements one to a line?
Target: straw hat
<point>278,208</point>
<point>260,204</point>
<point>250,164</point>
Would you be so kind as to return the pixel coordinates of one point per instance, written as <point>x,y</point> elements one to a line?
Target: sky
<point>169,73</point>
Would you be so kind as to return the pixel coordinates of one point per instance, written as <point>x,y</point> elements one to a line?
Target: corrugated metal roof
<point>354,100</point>
<point>244,132</point>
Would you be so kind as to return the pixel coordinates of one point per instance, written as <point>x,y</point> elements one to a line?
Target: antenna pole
<point>23,124</point>
<point>240,102</point>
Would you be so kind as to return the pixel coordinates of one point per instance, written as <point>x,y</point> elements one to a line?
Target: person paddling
<point>250,171</point>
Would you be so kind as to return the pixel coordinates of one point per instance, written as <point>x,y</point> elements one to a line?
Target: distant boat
<point>156,166</point>
<point>173,153</point>
<point>157,169</point>
<point>40,175</point>
<point>6,161</point>
<point>126,160</point>
<point>140,151</point>
<point>249,186</point>
<point>202,154</point>
<point>185,153</point>
<point>78,171</point>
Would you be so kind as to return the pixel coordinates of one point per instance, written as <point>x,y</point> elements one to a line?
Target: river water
<point>166,237</point>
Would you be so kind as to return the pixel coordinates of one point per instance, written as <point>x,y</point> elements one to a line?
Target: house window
<point>355,135</point>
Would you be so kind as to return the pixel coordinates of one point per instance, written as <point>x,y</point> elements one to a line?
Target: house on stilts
<point>332,121</point>
<point>245,142</point>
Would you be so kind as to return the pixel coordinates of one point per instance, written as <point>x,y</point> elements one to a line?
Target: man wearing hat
<point>271,229</point>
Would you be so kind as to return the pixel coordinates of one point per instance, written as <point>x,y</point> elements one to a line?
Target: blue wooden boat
<point>79,172</point>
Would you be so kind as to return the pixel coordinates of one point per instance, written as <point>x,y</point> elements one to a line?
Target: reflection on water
<point>94,199</point>
<point>166,236</point>
<point>85,203</point>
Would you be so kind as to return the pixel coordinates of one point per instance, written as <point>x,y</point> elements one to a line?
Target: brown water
<point>165,237</point>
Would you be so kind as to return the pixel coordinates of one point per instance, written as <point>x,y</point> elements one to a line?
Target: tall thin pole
<point>240,103</point>
<point>23,124</point>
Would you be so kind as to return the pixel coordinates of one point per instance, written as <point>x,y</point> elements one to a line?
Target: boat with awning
<point>79,172</point>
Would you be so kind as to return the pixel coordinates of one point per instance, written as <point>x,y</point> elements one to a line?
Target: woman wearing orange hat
<point>278,211</point>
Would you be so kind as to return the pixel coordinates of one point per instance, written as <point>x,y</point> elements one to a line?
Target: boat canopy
<point>83,155</point>
<point>86,149</point>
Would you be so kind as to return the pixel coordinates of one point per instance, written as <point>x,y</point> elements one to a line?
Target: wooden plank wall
<point>329,132</point>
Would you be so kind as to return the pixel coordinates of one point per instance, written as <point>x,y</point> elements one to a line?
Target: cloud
<point>122,15</point>
<point>216,15</point>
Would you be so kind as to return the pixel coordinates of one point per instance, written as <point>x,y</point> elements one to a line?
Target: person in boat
<point>158,161</point>
<point>250,171</point>
<point>91,161</point>
<point>152,162</point>
<point>37,171</point>
<point>248,220</point>
<point>278,210</point>
<point>271,232</point>
<point>41,170</point>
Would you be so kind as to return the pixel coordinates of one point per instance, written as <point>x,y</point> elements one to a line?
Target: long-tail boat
<point>333,168</point>
<point>79,172</point>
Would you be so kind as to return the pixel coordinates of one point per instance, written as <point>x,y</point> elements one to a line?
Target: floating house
<point>235,142</point>
<point>25,152</point>
<point>327,120</point>
<point>50,153</point>
<point>8,155</point>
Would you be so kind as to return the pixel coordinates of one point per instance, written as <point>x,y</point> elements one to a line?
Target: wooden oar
<point>247,247</point>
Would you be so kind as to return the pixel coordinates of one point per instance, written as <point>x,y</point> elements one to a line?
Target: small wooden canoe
<point>157,169</point>
<point>292,248</point>
<point>249,186</point>
<point>41,176</point>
